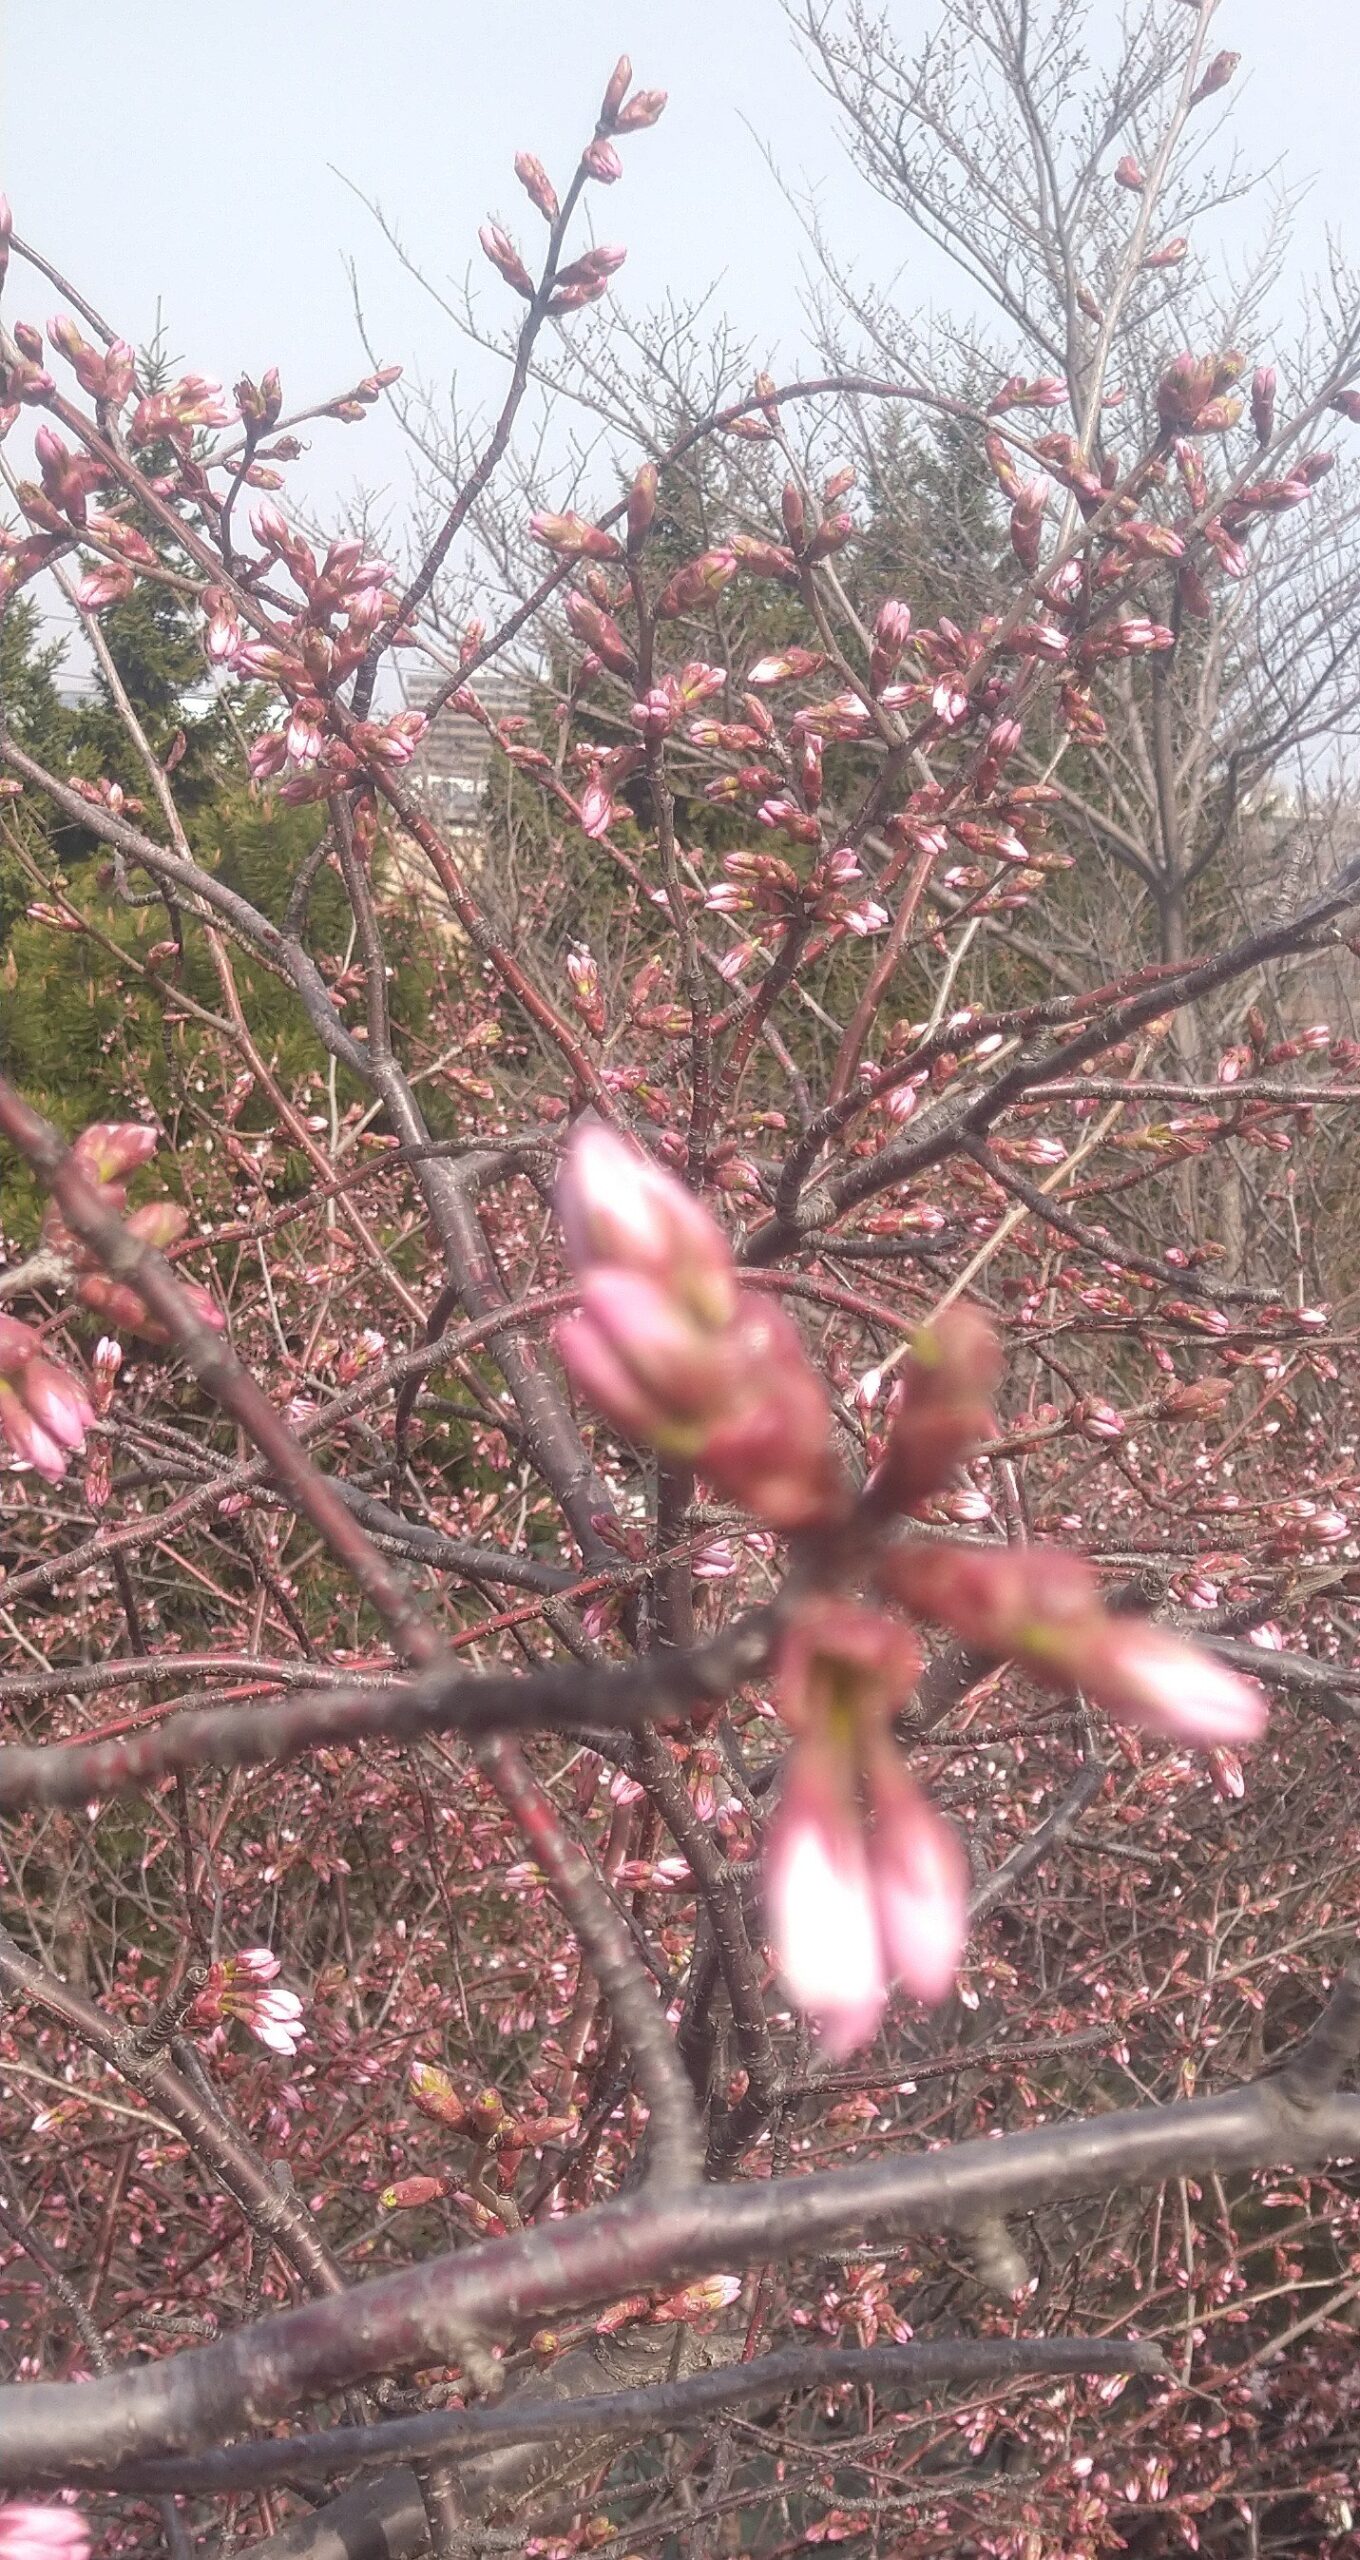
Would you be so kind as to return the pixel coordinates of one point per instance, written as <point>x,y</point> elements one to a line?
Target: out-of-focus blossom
<point>43,2533</point>
<point>866,1885</point>
<point>1043,1608</point>
<point>44,1413</point>
<point>942,1413</point>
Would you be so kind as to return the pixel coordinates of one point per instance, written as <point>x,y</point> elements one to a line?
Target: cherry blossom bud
<point>620,82</point>
<point>820,1899</point>
<point>618,1208</point>
<point>160,1224</point>
<point>892,630</point>
<point>1169,254</point>
<point>245,1987</point>
<point>109,1149</point>
<point>674,1353</point>
<point>788,667</point>
<point>109,584</point>
<point>585,983</point>
<point>943,1412</point>
<point>108,1360</point>
<point>409,2193</point>
<point>1263,402</point>
<point>43,2533</point>
<point>602,162</point>
<point>643,109</point>
<point>699,582</point>
<point>593,269</point>
<point>1217,76</point>
<point>642,505</point>
<point>574,537</point>
<point>503,254</point>
<point>919,1876</point>
<point>1042,1607</point>
<point>1128,174</point>
<point>596,809</point>
<point>537,185</point>
<point>695,2301</point>
<point>434,2093</point>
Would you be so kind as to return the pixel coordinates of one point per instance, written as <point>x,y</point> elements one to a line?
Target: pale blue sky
<point>167,149</point>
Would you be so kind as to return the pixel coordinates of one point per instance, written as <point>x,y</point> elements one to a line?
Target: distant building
<point>452,765</point>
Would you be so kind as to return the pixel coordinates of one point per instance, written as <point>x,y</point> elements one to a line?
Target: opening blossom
<point>675,1352</point>
<point>866,1884</point>
<point>43,2533</point>
<point>245,1986</point>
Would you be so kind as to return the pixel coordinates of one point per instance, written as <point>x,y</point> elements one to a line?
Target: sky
<point>166,154</point>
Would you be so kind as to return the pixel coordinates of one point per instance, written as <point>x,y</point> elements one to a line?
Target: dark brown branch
<point>426,2313</point>
<point>924,2366</point>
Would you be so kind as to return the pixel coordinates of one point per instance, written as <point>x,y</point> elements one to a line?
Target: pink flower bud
<point>1128,174</point>
<point>643,109</point>
<point>1043,1607</point>
<point>943,1411</point>
<point>1169,254</point>
<point>108,1360</point>
<point>696,2301</point>
<point>109,1149</point>
<point>574,537</point>
<point>919,1876</point>
<point>1217,76</point>
<point>619,84</point>
<point>537,185</point>
<point>408,2193</point>
<point>674,1353</point>
<point>787,668</point>
<point>504,256</point>
<point>596,809</point>
<point>1263,402</point>
<point>109,584</point>
<point>602,161</point>
<point>642,505</point>
<point>699,582</point>
<point>820,1900</point>
<point>618,1208</point>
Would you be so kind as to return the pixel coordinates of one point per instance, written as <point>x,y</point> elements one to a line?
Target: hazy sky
<point>166,150</point>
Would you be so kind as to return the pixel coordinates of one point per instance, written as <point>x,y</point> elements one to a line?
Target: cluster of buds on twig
<point>586,277</point>
<point>246,1987</point>
<point>107,1153</point>
<point>669,1346</point>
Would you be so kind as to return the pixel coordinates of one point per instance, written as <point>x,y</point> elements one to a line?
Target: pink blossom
<point>245,1986</point>
<point>43,2533</point>
<point>44,1415</point>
